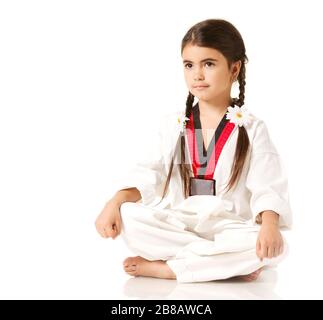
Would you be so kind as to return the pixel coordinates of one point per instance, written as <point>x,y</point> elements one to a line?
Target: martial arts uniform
<point>205,236</point>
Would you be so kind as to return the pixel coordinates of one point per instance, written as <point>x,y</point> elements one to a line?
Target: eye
<point>185,65</point>
<point>209,63</point>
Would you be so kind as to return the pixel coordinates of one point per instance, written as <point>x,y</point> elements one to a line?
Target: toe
<point>129,261</point>
<point>132,273</point>
<point>247,277</point>
<point>130,268</point>
<point>254,276</point>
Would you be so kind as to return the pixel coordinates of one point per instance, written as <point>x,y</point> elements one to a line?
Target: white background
<point>81,83</point>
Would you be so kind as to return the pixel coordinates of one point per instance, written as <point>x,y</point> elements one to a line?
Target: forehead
<point>196,54</point>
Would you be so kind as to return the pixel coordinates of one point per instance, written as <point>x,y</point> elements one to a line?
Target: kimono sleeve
<point>267,180</point>
<point>148,172</point>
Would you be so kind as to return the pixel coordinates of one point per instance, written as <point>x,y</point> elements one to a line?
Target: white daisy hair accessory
<point>181,120</point>
<point>239,115</point>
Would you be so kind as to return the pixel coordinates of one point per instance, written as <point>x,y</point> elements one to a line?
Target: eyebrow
<point>207,59</point>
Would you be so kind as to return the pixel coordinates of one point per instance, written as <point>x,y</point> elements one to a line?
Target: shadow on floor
<point>154,288</point>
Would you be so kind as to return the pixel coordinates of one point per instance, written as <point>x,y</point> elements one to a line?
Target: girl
<point>205,206</point>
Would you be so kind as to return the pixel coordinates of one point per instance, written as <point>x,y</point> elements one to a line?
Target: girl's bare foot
<point>139,266</point>
<point>251,276</point>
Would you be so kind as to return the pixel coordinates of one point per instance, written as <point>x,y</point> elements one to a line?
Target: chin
<point>202,96</point>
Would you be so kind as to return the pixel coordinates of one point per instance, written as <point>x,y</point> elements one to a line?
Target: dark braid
<point>242,83</point>
<point>184,168</point>
<point>189,104</point>
<point>243,139</point>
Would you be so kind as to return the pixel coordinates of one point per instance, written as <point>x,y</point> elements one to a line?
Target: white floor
<point>86,266</point>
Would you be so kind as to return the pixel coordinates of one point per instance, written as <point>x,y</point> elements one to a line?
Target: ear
<point>235,70</point>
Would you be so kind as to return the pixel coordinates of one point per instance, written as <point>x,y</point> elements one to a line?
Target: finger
<point>258,245</point>
<point>118,223</point>
<point>103,233</point>
<point>258,249</point>
<point>270,252</point>
<point>114,231</point>
<point>264,251</point>
<point>109,231</point>
<point>115,228</point>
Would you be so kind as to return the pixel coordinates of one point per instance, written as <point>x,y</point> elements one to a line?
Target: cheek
<point>220,79</point>
<point>188,80</point>
<point>216,74</point>
<point>188,76</point>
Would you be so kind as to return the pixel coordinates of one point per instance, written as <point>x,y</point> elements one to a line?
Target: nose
<point>198,75</point>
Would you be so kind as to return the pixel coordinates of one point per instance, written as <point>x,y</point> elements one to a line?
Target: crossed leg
<point>139,266</point>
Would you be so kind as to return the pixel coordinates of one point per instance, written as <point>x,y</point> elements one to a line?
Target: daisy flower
<point>181,120</point>
<point>239,116</point>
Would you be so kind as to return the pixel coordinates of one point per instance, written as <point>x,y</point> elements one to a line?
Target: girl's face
<point>208,68</point>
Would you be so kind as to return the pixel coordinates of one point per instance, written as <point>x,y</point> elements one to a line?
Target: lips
<point>200,86</point>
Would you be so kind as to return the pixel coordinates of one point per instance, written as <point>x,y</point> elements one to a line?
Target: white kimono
<point>205,237</point>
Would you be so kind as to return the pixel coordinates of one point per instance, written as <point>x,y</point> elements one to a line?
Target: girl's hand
<point>270,242</point>
<point>108,223</point>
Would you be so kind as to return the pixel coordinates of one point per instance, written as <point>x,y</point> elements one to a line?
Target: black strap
<point>205,155</point>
